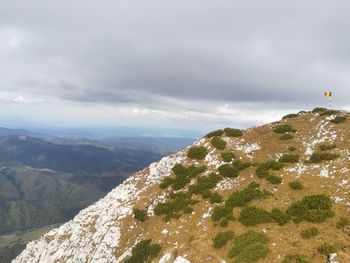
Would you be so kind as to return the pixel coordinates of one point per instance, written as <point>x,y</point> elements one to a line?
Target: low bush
<point>222,211</point>
<point>218,143</point>
<point>342,223</point>
<point>289,158</point>
<point>288,116</point>
<point>181,202</point>
<point>292,148</point>
<point>215,133</point>
<point>262,169</point>
<point>244,196</point>
<point>228,170</point>
<point>338,119</point>
<point>140,215</point>
<point>312,208</point>
<point>241,165</point>
<point>286,136</point>
<point>295,185</point>
<point>227,156</point>
<point>144,251</point>
<point>223,222</point>
<point>329,112</point>
<point>215,198</point>
<point>233,132</point>
<point>273,179</point>
<point>283,128</point>
<point>197,152</point>
<point>249,247</point>
<point>252,216</point>
<point>222,239</point>
<point>318,157</point>
<point>319,109</point>
<point>204,185</point>
<point>327,249</point>
<point>295,258</point>
<point>280,217</point>
<point>309,233</point>
<point>326,147</point>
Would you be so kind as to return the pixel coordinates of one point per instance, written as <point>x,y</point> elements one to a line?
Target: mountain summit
<point>275,193</point>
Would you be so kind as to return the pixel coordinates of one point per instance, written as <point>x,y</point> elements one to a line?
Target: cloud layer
<point>197,64</point>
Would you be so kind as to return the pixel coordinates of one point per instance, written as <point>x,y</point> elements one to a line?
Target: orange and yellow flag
<point>328,94</point>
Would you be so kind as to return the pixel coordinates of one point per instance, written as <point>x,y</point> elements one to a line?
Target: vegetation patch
<point>230,132</point>
<point>329,112</point>
<point>222,211</point>
<point>319,109</point>
<point>327,249</point>
<point>222,239</point>
<point>295,258</point>
<point>327,147</point>
<point>289,158</point>
<point>218,143</point>
<point>144,251</point>
<point>292,148</point>
<point>216,198</point>
<point>288,116</point>
<point>181,202</point>
<point>309,233</point>
<point>318,157</point>
<point>249,247</point>
<point>295,185</point>
<point>223,222</point>
<point>273,179</point>
<point>312,208</point>
<point>244,196</point>
<point>228,170</point>
<point>262,169</point>
<point>280,217</point>
<point>197,152</point>
<point>286,136</point>
<point>338,119</point>
<point>342,223</point>
<point>283,128</point>
<point>140,215</point>
<point>252,216</point>
<point>215,133</point>
<point>227,156</point>
<point>204,184</point>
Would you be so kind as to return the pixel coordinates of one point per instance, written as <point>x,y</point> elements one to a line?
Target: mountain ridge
<point>274,158</point>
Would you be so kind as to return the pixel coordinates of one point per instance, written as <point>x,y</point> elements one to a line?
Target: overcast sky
<point>177,64</point>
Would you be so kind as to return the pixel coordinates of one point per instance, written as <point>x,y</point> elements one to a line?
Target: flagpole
<point>330,102</point>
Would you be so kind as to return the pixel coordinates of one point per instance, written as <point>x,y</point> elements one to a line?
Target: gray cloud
<point>176,56</point>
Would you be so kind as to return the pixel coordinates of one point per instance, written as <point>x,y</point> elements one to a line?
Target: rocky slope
<point>274,193</point>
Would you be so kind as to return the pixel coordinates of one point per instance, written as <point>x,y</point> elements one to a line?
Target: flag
<point>328,94</point>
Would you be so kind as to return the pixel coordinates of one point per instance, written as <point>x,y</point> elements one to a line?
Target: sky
<point>184,65</point>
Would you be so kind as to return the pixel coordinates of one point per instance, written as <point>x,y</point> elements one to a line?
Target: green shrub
<point>244,196</point>
<point>221,239</point>
<point>218,143</point>
<point>227,170</point>
<point>214,133</point>
<point>273,179</point>
<point>249,247</point>
<point>144,251</point>
<point>319,109</point>
<point>288,116</point>
<point>295,185</point>
<point>262,169</point>
<point>286,136</point>
<point>289,158</point>
<point>295,258</point>
<point>329,112</point>
<point>197,152</point>
<point>241,165</point>
<point>327,249</point>
<point>204,184</point>
<point>326,147</point>
<point>309,233</point>
<point>318,157</point>
<point>251,216</point>
<point>215,198</point>
<point>223,222</point>
<point>312,208</point>
<point>342,223</point>
<point>292,148</point>
<point>222,211</point>
<point>280,217</point>
<point>140,215</point>
<point>283,128</point>
<point>338,119</point>
<point>233,132</point>
<point>181,202</point>
<point>227,156</point>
